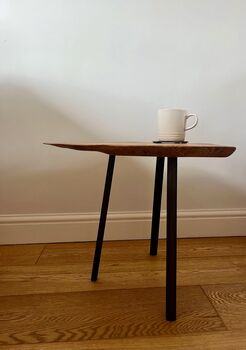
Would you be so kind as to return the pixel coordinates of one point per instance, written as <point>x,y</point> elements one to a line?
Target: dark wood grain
<point>113,317</point>
<point>66,267</point>
<point>222,340</point>
<point>230,302</point>
<point>107,314</point>
<point>153,150</point>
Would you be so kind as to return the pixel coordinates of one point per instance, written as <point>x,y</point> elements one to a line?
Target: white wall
<point>97,70</point>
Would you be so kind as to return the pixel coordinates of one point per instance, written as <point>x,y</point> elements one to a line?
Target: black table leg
<point>103,217</point>
<point>156,205</point>
<point>171,242</point>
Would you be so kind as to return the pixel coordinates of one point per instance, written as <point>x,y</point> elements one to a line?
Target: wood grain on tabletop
<point>152,149</point>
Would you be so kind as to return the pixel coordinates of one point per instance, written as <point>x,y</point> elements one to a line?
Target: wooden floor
<point>48,302</point>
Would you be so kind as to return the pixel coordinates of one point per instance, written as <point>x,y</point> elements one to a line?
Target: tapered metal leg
<point>171,242</point>
<point>156,205</point>
<point>103,218</point>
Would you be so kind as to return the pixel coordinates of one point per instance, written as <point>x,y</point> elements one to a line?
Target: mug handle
<point>194,124</point>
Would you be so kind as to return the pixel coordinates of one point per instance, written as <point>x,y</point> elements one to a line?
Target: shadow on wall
<point>43,179</point>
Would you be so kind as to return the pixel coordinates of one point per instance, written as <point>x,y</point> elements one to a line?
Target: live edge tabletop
<point>153,149</point>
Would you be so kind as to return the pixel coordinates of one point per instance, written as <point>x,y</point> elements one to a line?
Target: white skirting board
<point>17,229</point>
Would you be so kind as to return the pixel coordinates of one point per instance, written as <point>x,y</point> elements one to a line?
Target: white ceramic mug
<point>172,124</point>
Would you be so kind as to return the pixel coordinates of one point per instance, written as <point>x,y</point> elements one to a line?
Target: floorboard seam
<point>97,290</point>
<point>42,251</point>
<point>216,311</point>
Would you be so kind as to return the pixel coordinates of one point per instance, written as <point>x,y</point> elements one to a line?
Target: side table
<point>172,152</point>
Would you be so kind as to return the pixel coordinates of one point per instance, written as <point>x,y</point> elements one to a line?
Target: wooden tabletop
<point>153,149</point>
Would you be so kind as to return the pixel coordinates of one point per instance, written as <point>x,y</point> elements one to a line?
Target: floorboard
<point>74,253</point>
<point>145,273</point>
<point>48,302</point>
<point>105,314</point>
<point>26,254</point>
<point>202,341</point>
<point>230,302</point>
